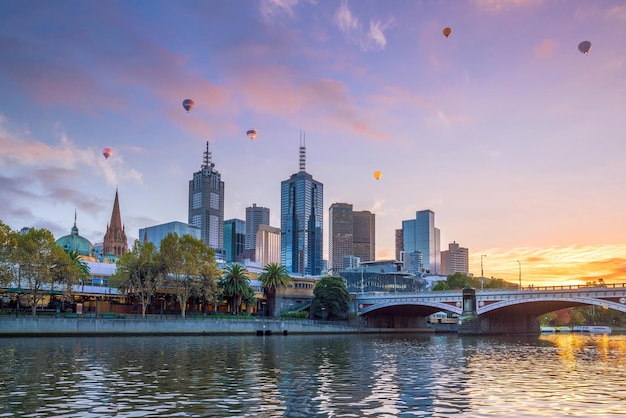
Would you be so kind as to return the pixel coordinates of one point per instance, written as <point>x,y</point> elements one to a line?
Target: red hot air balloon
<point>188,104</point>
<point>447,32</point>
<point>107,152</point>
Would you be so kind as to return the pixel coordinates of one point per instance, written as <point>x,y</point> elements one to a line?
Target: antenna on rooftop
<point>302,151</point>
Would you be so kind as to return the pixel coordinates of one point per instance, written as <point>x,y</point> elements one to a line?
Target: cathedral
<point>115,241</point>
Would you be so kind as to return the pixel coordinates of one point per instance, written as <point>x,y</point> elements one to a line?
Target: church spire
<point>115,241</point>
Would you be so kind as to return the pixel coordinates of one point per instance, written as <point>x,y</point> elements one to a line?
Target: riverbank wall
<point>51,326</point>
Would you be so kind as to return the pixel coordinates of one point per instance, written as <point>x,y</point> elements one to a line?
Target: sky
<point>505,130</point>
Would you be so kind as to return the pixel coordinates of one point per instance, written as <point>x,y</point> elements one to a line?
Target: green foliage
<point>186,260</point>
<point>274,276</point>
<point>42,263</point>
<point>139,273</point>
<point>236,285</point>
<point>330,298</point>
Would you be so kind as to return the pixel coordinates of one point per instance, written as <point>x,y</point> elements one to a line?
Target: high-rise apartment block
<point>420,234</point>
<point>351,233</point>
<point>301,221</point>
<point>267,245</point>
<point>206,203</point>
<point>255,216</point>
<point>455,260</point>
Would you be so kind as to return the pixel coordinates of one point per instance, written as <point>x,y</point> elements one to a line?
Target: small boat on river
<point>592,329</point>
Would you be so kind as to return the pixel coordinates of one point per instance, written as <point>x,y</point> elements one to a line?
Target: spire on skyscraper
<point>302,151</point>
<point>207,157</point>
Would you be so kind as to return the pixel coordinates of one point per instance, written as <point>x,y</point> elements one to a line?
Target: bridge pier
<point>500,324</point>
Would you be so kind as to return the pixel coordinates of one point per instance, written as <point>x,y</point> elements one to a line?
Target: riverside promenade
<point>51,326</point>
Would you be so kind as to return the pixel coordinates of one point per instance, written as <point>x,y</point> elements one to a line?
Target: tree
<point>274,276</point>
<point>41,263</point>
<point>184,259</point>
<point>139,273</point>
<point>209,291</point>
<point>330,298</point>
<point>78,273</point>
<point>8,241</point>
<point>235,285</point>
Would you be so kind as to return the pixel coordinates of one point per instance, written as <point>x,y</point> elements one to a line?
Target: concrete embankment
<point>50,326</point>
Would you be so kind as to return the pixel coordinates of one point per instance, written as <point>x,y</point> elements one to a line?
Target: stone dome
<point>75,242</point>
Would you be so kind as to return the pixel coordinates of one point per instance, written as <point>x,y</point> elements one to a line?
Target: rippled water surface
<point>304,376</point>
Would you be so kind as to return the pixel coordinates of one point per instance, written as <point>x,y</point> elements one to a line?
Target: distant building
<point>340,242</point>
<point>364,235</point>
<point>267,245</point>
<point>234,238</point>
<point>156,233</point>
<point>206,203</point>
<point>420,234</point>
<point>301,221</point>
<point>115,241</point>
<point>351,233</point>
<point>255,216</point>
<point>399,246</point>
<point>75,242</point>
<point>455,260</point>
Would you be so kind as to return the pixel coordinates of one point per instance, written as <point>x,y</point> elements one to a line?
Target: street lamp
<point>520,274</point>
<point>482,274</point>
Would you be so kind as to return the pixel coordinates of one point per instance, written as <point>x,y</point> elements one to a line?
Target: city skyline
<point>504,129</point>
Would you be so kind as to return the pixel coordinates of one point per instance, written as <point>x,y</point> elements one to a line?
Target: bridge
<point>493,311</point>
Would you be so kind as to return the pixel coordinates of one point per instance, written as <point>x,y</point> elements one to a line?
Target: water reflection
<point>302,376</point>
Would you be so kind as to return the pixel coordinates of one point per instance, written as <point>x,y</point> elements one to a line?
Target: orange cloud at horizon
<point>554,266</point>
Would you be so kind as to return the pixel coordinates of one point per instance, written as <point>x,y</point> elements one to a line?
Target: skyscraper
<point>206,203</point>
<point>234,238</point>
<point>340,243</point>
<point>455,260</point>
<point>364,235</point>
<point>301,221</point>
<point>255,216</point>
<point>351,233</point>
<point>420,234</point>
<point>115,241</point>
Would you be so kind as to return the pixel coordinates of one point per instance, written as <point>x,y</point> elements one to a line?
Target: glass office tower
<point>301,222</point>
<point>420,234</point>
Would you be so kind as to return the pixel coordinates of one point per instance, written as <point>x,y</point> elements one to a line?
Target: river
<point>396,375</point>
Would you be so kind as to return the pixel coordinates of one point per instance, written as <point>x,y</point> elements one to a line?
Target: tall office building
<point>234,239</point>
<point>301,221</point>
<point>351,233</point>
<point>364,235</point>
<point>206,203</point>
<point>115,241</point>
<point>420,234</point>
<point>267,245</point>
<point>255,216</point>
<point>340,226</point>
<point>455,260</point>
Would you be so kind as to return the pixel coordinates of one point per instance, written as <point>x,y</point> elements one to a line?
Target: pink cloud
<point>545,49</point>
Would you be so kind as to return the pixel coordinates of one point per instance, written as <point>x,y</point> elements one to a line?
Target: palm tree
<point>273,277</point>
<point>82,269</point>
<point>236,284</point>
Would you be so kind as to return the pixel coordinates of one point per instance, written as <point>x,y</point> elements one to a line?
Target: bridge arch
<point>544,305</point>
<point>427,307</point>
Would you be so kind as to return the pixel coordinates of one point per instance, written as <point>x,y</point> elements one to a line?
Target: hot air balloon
<point>378,175</point>
<point>251,134</point>
<point>447,32</point>
<point>107,152</point>
<point>584,47</point>
<point>188,104</point>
